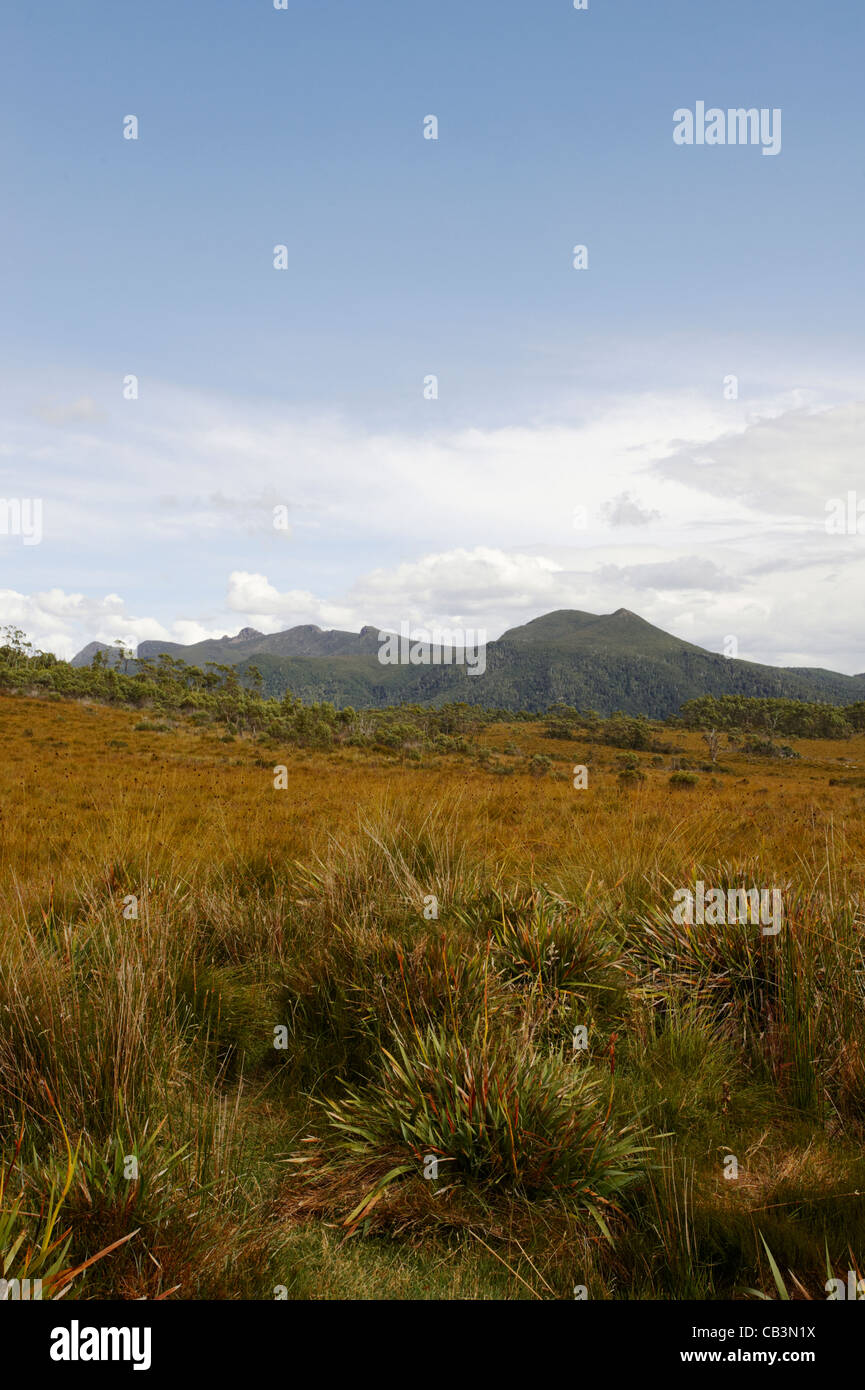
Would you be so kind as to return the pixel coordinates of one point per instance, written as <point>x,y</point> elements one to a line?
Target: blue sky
<point>557,388</point>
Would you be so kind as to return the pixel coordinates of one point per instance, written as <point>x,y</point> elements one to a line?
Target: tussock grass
<point>427,941</point>
<point>487,1108</point>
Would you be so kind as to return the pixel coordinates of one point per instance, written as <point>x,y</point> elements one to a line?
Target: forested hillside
<point>615,661</point>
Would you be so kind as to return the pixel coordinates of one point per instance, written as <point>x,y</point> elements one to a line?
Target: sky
<point>672,427</point>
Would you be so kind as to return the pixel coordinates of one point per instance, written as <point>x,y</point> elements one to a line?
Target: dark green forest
<point>238,698</point>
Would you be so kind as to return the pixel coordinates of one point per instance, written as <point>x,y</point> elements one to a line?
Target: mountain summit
<point>607,662</point>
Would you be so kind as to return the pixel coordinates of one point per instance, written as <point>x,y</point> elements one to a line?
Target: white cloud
<point>626,510</point>
<point>791,463</point>
<point>255,596</point>
<point>471,526</point>
<point>63,623</point>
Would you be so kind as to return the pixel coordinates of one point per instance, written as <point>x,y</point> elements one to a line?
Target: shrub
<point>494,1112</point>
<point>541,940</point>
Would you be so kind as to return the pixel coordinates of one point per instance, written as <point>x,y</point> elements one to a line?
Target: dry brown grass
<point>253,902</point>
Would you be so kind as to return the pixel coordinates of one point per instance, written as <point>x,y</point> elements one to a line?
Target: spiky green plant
<point>33,1252</point>
<point>496,1114</point>
<point>539,939</point>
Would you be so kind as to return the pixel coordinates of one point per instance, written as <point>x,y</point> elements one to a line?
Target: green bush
<point>495,1113</point>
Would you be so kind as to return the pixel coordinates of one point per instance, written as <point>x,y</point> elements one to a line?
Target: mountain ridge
<point>612,661</point>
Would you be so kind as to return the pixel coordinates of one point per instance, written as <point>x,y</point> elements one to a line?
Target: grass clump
<point>495,1114</point>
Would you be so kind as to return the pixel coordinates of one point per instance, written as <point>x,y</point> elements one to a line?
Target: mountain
<point>86,655</point>
<point>306,641</point>
<point>606,662</point>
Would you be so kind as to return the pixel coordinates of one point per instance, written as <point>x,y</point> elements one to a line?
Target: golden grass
<point>247,894</point>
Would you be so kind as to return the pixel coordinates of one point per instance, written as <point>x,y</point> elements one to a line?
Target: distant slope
<point>306,641</point>
<point>606,662</point>
<point>86,655</point>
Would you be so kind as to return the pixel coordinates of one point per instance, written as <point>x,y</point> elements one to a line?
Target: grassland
<point>248,992</point>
